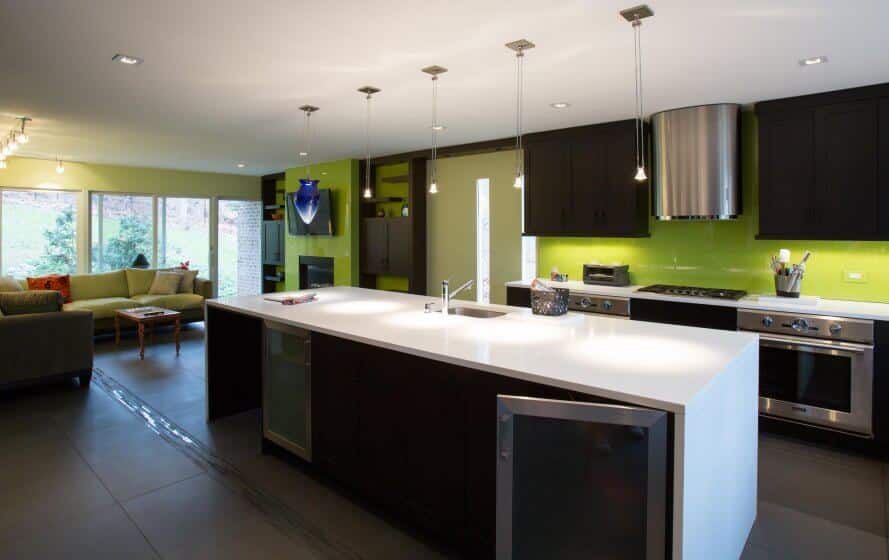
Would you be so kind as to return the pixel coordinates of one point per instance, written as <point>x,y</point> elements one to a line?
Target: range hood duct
<point>696,153</point>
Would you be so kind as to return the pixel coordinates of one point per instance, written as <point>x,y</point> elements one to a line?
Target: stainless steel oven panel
<point>860,419</point>
<point>814,326</point>
<point>599,304</point>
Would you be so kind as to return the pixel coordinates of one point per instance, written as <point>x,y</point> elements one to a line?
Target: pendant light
<point>519,47</point>
<point>368,91</point>
<point>308,196</point>
<point>22,135</point>
<point>635,16</point>
<point>434,71</point>
<point>60,166</point>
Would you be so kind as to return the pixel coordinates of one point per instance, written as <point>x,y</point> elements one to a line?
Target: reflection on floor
<point>83,477</point>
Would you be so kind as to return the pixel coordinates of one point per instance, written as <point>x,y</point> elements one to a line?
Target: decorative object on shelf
<point>519,47</point>
<point>140,262</point>
<point>381,213</point>
<point>635,15</point>
<point>405,212</point>
<point>60,166</point>
<point>308,195</point>
<point>184,265</point>
<point>434,71</point>
<point>368,91</point>
<point>788,277</point>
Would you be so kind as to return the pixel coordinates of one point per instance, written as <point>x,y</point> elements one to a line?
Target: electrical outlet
<point>855,276</point>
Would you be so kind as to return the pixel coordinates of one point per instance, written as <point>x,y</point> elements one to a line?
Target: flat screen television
<point>323,222</point>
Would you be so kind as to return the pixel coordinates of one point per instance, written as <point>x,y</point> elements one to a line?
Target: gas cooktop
<point>691,291</point>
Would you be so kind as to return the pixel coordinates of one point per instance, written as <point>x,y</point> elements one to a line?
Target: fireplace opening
<point>315,272</point>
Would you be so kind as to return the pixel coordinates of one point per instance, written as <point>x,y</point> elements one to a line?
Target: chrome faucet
<point>447,295</point>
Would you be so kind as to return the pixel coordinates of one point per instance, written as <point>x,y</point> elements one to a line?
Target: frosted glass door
<point>239,238</point>
<point>287,389</point>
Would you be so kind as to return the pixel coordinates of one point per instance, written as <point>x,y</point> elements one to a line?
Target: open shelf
<point>379,199</point>
<point>397,179</point>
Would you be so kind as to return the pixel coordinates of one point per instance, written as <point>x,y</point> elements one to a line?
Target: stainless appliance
<point>696,155</point>
<point>575,477</point>
<point>599,304</point>
<point>692,291</point>
<point>287,388</point>
<point>815,369</point>
<point>617,275</point>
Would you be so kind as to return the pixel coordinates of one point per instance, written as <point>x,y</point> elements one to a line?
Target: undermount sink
<point>477,313</point>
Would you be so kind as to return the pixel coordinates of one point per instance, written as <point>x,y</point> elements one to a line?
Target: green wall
<point>40,173</point>
<point>342,178</point>
<point>725,254</point>
<point>451,215</point>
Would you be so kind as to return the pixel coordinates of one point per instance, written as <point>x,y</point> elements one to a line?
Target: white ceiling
<point>222,79</point>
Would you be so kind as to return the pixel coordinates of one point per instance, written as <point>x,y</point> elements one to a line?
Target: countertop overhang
<point>648,364</point>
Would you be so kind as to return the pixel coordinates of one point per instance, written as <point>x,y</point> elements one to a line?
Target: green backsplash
<point>725,254</point>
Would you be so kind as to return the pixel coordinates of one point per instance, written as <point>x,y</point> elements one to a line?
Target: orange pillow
<point>57,282</point>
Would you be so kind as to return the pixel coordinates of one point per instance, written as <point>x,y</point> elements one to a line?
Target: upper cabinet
<point>824,166</point>
<point>579,182</point>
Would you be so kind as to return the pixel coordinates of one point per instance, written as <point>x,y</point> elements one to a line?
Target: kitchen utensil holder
<point>788,285</point>
<point>552,303</point>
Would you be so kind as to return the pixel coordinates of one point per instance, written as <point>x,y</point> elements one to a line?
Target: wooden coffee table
<point>150,316</point>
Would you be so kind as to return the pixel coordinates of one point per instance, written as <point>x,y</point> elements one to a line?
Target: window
<point>239,232</point>
<point>183,233</point>
<point>483,240</point>
<point>122,227</point>
<point>38,230</point>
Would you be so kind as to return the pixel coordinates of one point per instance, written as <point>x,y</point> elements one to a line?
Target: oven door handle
<point>793,343</point>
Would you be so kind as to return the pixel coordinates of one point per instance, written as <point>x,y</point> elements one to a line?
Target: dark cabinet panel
<point>376,246</point>
<point>579,182</point>
<point>273,242</point>
<point>519,297</point>
<point>786,172</point>
<point>846,169</point>
<point>399,246</point>
<point>688,314</point>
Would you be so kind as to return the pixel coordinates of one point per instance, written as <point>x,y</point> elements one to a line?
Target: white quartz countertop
<point>831,307</point>
<point>649,364</point>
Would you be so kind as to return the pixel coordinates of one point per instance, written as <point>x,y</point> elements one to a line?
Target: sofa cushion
<point>10,284</point>
<point>58,282</point>
<point>139,280</point>
<point>32,301</point>
<point>102,308</point>
<point>100,285</point>
<point>177,302</point>
<point>165,283</point>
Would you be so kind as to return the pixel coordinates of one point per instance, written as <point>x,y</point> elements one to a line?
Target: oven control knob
<point>585,302</point>
<point>800,325</point>
<point>607,305</point>
<point>767,321</point>
<point>836,329</point>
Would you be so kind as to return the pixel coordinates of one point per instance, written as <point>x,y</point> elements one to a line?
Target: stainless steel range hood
<point>696,163</point>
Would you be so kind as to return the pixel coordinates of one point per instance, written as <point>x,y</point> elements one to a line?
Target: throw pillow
<point>9,284</point>
<point>165,283</point>
<point>56,282</point>
<point>139,280</point>
<point>187,285</point>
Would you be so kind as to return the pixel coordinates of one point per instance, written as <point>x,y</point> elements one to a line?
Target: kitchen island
<point>401,404</point>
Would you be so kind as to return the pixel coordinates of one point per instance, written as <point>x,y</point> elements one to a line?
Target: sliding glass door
<point>122,228</point>
<point>183,233</point>
<point>239,259</point>
<point>38,232</point>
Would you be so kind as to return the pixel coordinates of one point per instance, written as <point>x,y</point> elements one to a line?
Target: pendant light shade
<point>519,47</point>
<point>308,196</point>
<point>60,166</point>
<point>635,15</point>
<point>434,71</point>
<point>368,92</point>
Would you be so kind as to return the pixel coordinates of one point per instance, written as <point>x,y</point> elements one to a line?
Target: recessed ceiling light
<point>813,60</point>
<point>560,105</point>
<point>241,165</point>
<point>303,154</point>
<point>438,127</point>
<point>126,59</point>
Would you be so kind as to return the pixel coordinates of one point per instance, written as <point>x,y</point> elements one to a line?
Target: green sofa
<point>104,293</point>
<point>38,340</point>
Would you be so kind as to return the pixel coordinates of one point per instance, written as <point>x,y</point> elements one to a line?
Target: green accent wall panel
<point>726,254</point>
<point>342,178</point>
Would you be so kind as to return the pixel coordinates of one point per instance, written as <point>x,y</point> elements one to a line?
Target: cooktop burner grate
<point>692,291</point>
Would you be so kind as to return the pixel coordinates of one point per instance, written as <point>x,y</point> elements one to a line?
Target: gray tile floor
<point>85,478</point>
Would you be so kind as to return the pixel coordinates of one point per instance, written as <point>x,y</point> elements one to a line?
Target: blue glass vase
<point>307,198</point>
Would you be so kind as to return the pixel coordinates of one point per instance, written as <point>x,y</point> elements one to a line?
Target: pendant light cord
<point>637,55</point>
<point>367,147</point>
<point>309,144</point>
<point>434,124</point>
<point>520,56</point>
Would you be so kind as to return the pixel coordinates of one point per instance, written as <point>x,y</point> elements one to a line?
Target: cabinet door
<point>273,242</point>
<point>547,187</point>
<point>286,388</point>
<point>376,246</point>
<point>399,246</point>
<point>846,170</point>
<point>589,187</point>
<point>883,158</point>
<point>625,200</point>
<point>335,364</point>
<point>786,173</point>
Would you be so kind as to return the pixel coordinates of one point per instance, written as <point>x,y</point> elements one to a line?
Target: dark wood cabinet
<point>579,182</point>
<point>386,246</point>
<point>519,297</point>
<point>688,314</point>
<point>821,172</point>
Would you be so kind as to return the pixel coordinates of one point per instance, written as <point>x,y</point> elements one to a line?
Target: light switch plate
<point>855,276</point>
